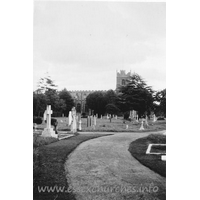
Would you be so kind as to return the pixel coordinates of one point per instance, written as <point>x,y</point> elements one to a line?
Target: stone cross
<point>48,131</point>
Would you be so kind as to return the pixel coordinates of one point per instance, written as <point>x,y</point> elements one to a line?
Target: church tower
<point>121,78</point>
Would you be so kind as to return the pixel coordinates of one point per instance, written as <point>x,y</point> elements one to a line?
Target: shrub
<point>126,115</point>
<point>37,120</point>
<point>160,118</point>
<point>84,115</point>
<point>54,122</point>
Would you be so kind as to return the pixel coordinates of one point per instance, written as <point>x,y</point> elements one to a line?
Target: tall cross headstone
<point>48,131</point>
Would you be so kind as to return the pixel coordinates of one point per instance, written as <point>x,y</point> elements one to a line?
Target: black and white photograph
<point>99,100</point>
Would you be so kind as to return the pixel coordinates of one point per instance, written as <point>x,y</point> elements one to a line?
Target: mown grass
<point>49,166</point>
<point>138,149</point>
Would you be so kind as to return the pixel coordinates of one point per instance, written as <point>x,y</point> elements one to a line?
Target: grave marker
<point>142,127</point>
<point>48,131</point>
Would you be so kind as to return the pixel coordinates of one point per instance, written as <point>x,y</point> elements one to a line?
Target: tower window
<point>123,82</point>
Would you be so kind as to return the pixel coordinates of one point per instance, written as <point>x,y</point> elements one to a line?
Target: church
<point>79,96</point>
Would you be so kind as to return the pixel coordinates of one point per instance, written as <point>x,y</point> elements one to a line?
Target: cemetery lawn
<point>138,150</point>
<point>49,166</point>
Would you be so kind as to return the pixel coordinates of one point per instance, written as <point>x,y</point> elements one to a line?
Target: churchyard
<point>104,125</point>
<point>72,155</point>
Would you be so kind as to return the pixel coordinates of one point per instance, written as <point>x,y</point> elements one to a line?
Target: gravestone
<point>70,120</point>
<point>48,131</point>
<point>154,118</point>
<point>80,125</point>
<point>146,121</point>
<point>87,121</point>
<point>94,122</point>
<point>137,118</point>
<point>126,126</point>
<point>101,117</point>
<point>142,127</point>
<point>74,120</point>
<point>34,126</point>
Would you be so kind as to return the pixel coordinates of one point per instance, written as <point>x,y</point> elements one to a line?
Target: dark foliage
<point>37,120</point>
<point>136,95</point>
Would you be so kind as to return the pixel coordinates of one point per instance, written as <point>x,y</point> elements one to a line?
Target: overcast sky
<point>82,44</point>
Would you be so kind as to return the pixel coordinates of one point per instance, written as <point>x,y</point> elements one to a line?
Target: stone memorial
<point>48,131</point>
<point>80,122</point>
<point>154,118</point>
<point>74,120</point>
<point>137,118</point>
<point>146,121</point>
<point>70,119</point>
<point>142,127</point>
<point>34,126</point>
<point>95,120</point>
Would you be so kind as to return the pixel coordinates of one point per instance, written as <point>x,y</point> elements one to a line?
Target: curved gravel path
<point>103,169</point>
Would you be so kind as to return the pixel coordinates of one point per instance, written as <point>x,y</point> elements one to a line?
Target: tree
<point>160,98</point>
<point>112,109</point>
<point>46,84</point>
<point>110,97</point>
<point>67,98</point>
<point>136,95</point>
<point>48,91</point>
<point>39,104</point>
<point>96,101</point>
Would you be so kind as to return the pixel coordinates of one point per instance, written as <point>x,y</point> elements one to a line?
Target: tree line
<point>134,95</point>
